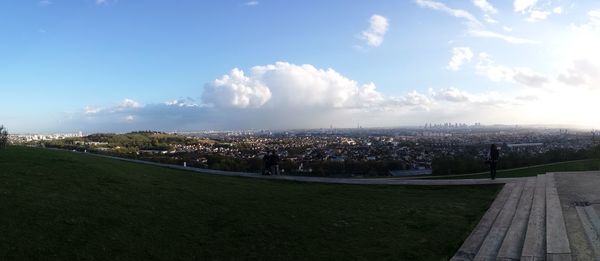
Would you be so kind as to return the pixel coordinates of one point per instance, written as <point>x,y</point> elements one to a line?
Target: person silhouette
<point>493,160</point>
<point>275,163</point>
<point>267,161</point>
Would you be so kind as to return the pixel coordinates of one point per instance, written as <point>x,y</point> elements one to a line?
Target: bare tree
<point>3,137</point>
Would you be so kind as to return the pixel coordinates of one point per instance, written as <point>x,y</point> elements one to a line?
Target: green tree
<point>3,137</point>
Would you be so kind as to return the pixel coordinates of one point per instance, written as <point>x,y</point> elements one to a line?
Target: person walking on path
<point>493,160</point>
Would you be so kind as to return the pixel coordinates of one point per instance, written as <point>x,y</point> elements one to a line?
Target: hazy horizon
<point>118,66</point>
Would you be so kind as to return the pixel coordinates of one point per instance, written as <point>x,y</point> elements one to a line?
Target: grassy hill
<point>58,205</point>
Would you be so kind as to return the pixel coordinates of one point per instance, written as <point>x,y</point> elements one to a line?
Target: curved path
<point>374,181</point>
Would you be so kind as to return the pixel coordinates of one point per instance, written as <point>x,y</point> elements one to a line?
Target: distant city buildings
<point>413,148</point>
<point>21,138</point>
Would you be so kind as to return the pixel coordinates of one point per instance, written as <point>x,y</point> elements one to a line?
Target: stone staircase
<point>525,222</point>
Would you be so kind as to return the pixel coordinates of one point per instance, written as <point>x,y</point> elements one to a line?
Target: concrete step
<point>471,246</point>
<point>512,245</point>
<point>493,240</point>
<point>557,242</point>
<point>591,225</point>
<point>534,247</point>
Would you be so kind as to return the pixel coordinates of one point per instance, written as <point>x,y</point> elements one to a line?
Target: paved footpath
<point>374,181</point>
<point>579,194</point>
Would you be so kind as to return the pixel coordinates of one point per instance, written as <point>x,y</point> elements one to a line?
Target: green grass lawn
<point>583,165</point>
<point>57,205</point>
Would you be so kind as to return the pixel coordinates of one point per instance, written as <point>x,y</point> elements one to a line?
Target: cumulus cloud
<point>455,95</point>
<point>460,56</point>
<point>528,77</point>
<point>128,104</point>
<point>580,73</point>
<point>522,75</point>
<point>237,91</point>
<point>415,99</point>
<point>374,35</point>
<point>582,65</point>
<point>289,85</point>
<point>279,95</point>
<point>485,6</point>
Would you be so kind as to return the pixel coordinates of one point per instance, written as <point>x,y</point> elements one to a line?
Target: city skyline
<point>117,66</point>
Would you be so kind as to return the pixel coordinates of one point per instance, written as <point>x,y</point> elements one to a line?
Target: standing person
<point>493,160</point>
<point>267,160</point>
<point>274,163</point>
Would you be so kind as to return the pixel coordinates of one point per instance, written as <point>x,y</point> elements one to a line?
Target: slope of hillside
<point>64,206</point>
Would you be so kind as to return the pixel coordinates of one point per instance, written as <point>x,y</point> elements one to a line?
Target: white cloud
<point>365,105</point>
<point>522,75</point>
<point>488,68</point>
<point>101,2</point>
<point>485,6</point>
<point>581,62</point>
<point>44,2</point>
<point>557,10</point>
<point>460,56</point>
<point>471,20</point>
<point>528,77</point>
<point>506,38</point>
<point>475,27</point>
<point>537,15</point>
<point>236,90</point>
<point>290,85</point>
<point>581,73</point>
<point>414,99</point>
<point>91,110</point>
<point>522,6</point>
<point>378,26</point>
<point>129,104</point>
<point>488,19</point>
<point>251,3</point>
<point>184,102</point>
<point>455,95</point>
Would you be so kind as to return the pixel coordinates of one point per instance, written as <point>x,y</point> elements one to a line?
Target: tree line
<point>3,137</point>
<point>469,162</point>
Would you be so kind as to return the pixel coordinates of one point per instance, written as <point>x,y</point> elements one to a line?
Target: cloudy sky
<point>122,65</point>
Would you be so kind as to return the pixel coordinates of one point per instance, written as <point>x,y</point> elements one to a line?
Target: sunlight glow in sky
<point>122,65</point>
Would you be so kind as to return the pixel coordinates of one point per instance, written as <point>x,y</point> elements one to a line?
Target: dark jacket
<point>494,153</point>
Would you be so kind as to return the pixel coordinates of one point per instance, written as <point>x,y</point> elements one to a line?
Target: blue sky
<point>189,65</point>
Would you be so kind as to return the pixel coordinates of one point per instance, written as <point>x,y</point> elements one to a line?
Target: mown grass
<point>58,205</point>
<point>581,165</point>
